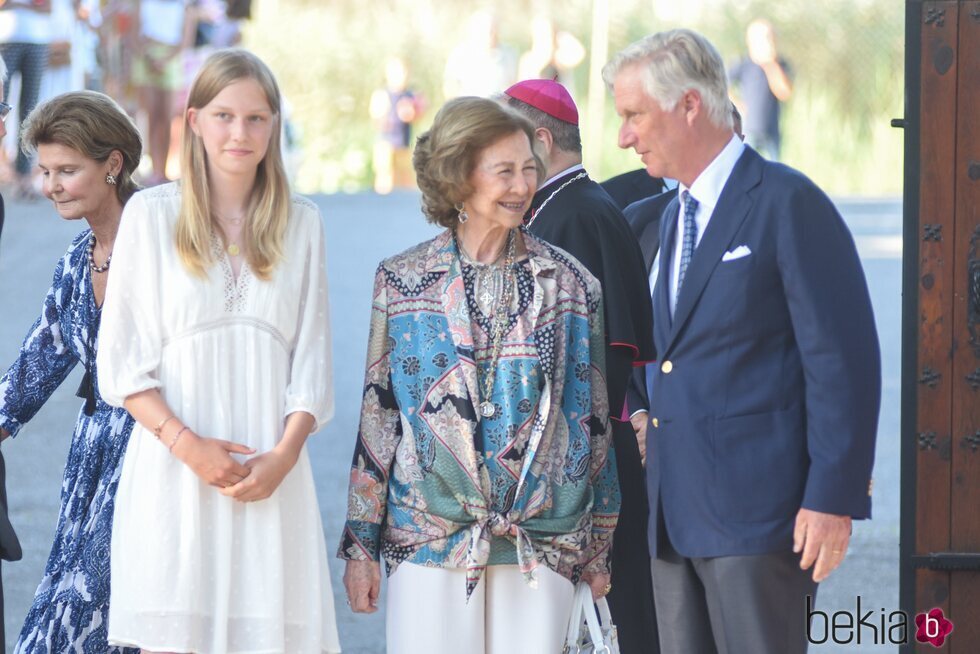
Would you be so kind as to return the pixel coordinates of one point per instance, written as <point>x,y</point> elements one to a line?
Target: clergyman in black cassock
<point>574,213</point>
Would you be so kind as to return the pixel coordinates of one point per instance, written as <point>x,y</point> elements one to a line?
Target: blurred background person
<point>483,465</point>
<point>25,34</point>
<point>479,65</point>
<point>117,41</point>
<point>554,54</point>
<point>763,81</point>
<point>88,150</point>
<point>212,29</point>
<point>71,52</point>
<point>394,109</point>
<point>165,30</point>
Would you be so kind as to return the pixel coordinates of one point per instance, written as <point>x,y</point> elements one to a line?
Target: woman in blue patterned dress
<point>87,149</point>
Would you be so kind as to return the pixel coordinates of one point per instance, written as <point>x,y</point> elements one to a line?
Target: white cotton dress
<point>193,570</point>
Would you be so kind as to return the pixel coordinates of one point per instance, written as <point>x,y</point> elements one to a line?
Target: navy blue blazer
<point>766,391</point>
<point>644,217</point>
<point>630,187</point>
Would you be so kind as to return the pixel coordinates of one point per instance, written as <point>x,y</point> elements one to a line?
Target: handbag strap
<point>584,610</point>
<point>574,623</point>
<point>605,617</point>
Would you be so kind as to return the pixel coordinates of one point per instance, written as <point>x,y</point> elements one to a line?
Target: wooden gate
<point>940,544</point>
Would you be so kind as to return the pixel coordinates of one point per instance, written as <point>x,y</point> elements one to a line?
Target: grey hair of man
<point>672,63</point>
<point>565,135</point>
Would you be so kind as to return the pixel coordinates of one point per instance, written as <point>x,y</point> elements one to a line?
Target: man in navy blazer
<point>644,218</point>
<point>764,399</point>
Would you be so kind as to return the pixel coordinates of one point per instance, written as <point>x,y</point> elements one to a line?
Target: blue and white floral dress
<point>71,604</point>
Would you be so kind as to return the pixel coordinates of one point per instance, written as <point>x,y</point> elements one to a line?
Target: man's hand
<point>822,538</point>
<point>362,579</point>
<point>640,420</point>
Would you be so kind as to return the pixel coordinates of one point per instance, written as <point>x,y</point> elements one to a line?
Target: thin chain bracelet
<point>176,436</point>
<point>159,428</point>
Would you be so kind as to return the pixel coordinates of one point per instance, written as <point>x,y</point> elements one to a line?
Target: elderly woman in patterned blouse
<point>482,471</point>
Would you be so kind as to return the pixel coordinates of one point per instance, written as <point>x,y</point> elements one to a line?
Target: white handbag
<point>590,632</point>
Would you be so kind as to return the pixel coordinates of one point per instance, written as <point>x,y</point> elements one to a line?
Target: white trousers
<point>427,612</point>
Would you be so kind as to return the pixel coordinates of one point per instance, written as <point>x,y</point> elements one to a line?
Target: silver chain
<point>500,319</point>
<point>534,214</point>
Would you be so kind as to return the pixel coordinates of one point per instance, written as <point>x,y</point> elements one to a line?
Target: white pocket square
<point>737,253</point>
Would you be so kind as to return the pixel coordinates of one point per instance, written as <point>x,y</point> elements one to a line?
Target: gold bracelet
<point>176,436</point>
<point>159,428</point>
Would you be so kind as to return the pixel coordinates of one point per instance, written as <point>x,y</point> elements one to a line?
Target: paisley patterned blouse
<point>433,482</point>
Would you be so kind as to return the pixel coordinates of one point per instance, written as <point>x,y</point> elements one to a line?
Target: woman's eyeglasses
<point>4,111</point>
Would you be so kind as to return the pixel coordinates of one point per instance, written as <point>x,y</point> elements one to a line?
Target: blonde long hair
<point>270,199</point>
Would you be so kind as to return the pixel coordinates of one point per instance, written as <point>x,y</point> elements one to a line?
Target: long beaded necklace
<point>499,323</point>
<point>534,213</point>
<point>91,257</point>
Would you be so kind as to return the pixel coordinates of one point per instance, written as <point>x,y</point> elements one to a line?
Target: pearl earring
<point>110,179</point>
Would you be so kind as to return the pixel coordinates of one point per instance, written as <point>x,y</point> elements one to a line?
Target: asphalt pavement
<point>361,230</point>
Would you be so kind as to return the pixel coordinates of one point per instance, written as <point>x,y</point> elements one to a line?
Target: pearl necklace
<point>91,257</point>
<point>534,214</point>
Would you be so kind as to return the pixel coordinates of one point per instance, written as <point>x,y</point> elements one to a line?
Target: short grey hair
<point>672,63</point>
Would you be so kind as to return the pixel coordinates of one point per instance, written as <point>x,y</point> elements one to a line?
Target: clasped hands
<point>255,479</point>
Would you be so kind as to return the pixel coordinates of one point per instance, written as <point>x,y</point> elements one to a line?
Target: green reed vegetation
<point>847,56</point>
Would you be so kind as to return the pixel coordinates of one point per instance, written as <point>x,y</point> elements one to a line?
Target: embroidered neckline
<point>235,291</point>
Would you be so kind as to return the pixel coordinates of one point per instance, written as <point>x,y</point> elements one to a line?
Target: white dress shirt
<point>706,189</point>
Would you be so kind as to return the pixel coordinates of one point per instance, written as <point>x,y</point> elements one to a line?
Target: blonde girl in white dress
<point>217,333</point>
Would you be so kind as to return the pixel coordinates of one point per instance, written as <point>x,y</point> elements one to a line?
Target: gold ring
<point>837,551</point>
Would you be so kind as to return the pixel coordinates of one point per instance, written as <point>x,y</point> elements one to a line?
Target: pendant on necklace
<point>486,297</point>
<point>233,250</point>
<point>487,409</point>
